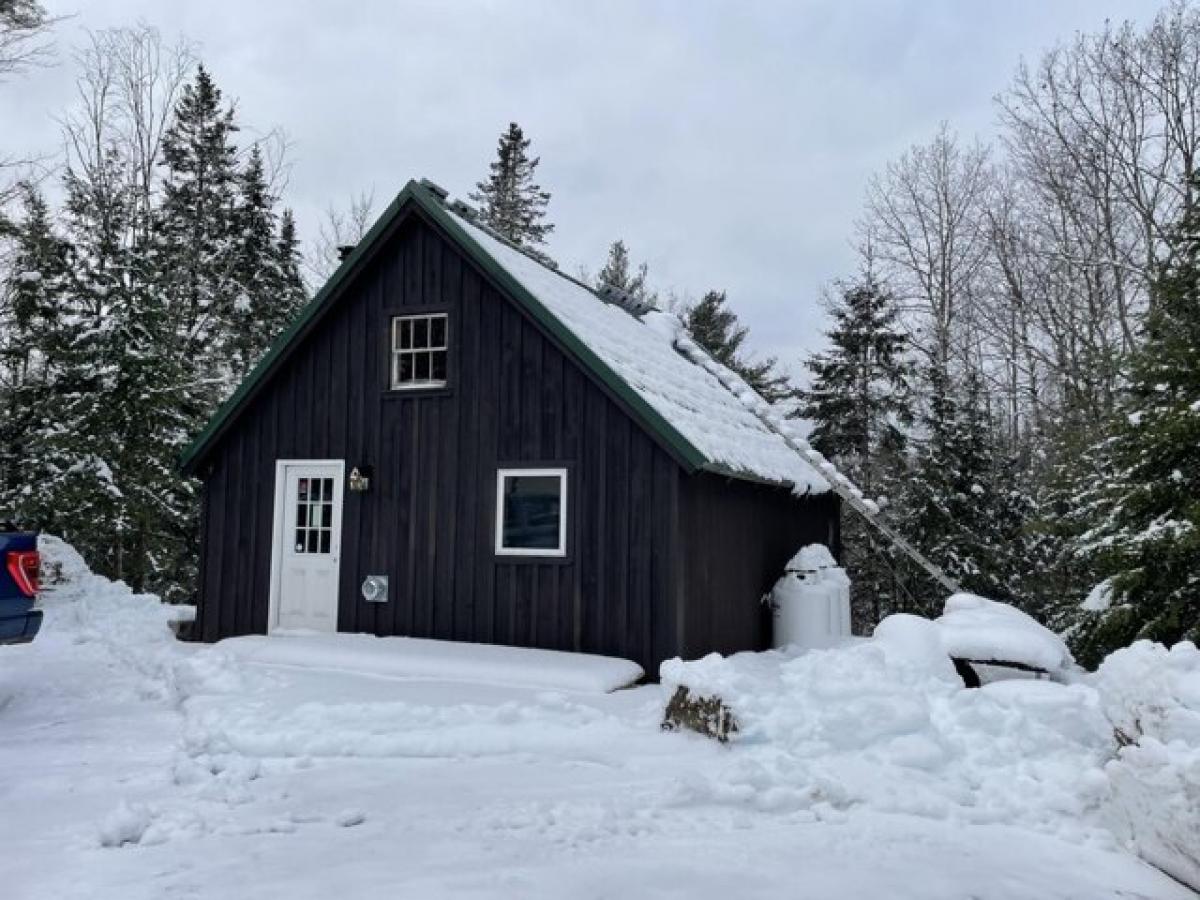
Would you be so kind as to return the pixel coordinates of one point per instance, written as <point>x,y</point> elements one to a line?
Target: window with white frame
<point>531,512</point>
<point>420,351</point>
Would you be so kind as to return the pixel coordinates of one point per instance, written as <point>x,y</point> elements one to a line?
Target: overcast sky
<point>729,144</point>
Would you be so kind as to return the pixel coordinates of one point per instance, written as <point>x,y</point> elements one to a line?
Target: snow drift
<point>135,629</point>
<point>886,722</point>
<point>406,657</point>
<point>1152,697</point>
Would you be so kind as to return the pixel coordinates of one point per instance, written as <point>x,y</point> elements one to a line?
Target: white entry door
<point>308,531</point>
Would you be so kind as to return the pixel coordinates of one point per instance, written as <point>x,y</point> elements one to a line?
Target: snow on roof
<point>720,424</point>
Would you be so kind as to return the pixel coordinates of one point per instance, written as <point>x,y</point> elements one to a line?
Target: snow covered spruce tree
<point>109,451</point>
<point>962,506</point>
<point>293,295</point>
<point>510,201</point>
<point>1146,543</point>
<point>33,298</point>
<point>265,275</point>
<point>197,228</point>
<point>619,272</point>
<point>715,327</point>
<point>858,404</point>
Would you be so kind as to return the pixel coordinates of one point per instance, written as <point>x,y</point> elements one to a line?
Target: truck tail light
<point>23,566</point>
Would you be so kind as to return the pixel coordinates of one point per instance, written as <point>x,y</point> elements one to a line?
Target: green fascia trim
<point>225,412</point>
<point>686,452</point>
<point>717,468</point>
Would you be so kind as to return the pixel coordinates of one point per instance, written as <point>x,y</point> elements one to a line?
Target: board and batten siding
<point>737,537</point>
<point>514,398</point>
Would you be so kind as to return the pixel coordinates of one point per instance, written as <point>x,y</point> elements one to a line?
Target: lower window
<point>531,512</point>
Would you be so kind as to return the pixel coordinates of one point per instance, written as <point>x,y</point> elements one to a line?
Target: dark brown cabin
<point>523,461</point>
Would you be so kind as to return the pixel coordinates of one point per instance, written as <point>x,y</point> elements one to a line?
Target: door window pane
<point>314,515</point>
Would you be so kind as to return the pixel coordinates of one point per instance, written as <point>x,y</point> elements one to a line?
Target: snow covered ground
<point>132,766</point>
<point>405,657</point>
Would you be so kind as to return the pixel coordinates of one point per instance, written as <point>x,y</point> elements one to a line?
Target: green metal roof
<point>417,195</point>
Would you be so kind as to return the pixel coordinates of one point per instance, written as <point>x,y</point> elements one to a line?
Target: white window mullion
<point>414,351</point>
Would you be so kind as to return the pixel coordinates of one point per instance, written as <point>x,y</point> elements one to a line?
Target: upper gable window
<point>420,347</point>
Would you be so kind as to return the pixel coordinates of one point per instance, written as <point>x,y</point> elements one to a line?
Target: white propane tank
<point>811,602</point>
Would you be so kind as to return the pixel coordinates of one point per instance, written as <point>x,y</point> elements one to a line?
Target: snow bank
<point>134,629</point>
<point>976,628</point>
<point>441,660</point>
<point>1152,697</point>
<point>886,723</point>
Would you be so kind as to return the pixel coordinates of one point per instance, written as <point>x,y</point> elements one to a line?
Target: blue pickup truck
<point>19,565</point>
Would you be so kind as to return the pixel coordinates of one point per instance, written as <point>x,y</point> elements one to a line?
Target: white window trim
<point>561,549</point>
<point>393,351</point>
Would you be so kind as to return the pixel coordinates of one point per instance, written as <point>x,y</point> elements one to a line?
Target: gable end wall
<point>426,522</point>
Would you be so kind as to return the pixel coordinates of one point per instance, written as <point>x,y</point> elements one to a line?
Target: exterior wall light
<point>360,479</point>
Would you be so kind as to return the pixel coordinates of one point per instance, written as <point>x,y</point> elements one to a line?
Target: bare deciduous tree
<point>1031,265</point>
<point>343,227</point>
<point>924,223</point>
<point>127,88</point>
<point>23,28</point>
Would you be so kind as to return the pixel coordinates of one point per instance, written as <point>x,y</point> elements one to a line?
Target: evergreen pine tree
<point>619,272</point>
<point>1146,538</point>
<point>34,295</point>
<point>197,229</point>
<point>1071,484</point>
<point>148,414</point>
<point>292,294</point>
<point>510,201</point>
<point>961,507</point>
<point>716,328</point>
<point>262,306</point>
<point>859,401</point>
<point>859,407</point>
<point>255,270</point>
<point>80,497</point>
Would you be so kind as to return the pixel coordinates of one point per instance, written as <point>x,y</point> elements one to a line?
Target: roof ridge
<point>463,209</point>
